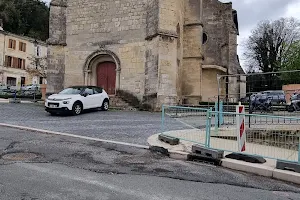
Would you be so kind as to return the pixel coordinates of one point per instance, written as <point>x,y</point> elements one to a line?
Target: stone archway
<point>99,69</point>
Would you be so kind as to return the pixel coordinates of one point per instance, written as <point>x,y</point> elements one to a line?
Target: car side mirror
<point>85,94</point>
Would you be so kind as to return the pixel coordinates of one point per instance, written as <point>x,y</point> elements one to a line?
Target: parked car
<point>76,99</point>
<point>260,102</point>
<point>294,105</point>
<point>8,89</point>
<point>276,96</point>
<point>30,87</point>
<point>244,99</point>
<point>4,89</point>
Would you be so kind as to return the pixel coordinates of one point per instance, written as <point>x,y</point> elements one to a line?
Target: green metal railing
<point>197,125</point>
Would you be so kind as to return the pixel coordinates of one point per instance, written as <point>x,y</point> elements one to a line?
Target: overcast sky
<point>250,12</point>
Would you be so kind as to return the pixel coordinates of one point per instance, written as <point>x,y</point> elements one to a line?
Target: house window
<point>8,61</point>
<point>12,44</point>
<point>21,63</point>
<point>22,46</point>
<point>14,62</point>
<point>41,80</point>
<point>22,81</point>
<point>11,81</point>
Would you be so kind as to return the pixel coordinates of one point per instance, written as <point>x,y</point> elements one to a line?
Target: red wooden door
<point>106,77</point>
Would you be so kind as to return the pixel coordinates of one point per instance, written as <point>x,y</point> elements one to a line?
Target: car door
<point>99,97</point>
<point>89,98</point>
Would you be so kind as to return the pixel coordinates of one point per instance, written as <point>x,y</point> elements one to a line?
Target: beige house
<point>17,53</point>
<point>169,51</point>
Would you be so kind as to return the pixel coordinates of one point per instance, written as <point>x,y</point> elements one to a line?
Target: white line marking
<point>72,135</point>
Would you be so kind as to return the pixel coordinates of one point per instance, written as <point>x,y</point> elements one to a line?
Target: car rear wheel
<point>105,105</point>
<point>77,108</point>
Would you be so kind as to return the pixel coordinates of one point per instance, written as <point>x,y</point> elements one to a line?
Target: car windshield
<point>71,91</point>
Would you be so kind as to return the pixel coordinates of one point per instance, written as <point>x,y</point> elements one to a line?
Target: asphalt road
<point>131,127</point>
<point>68,168</point>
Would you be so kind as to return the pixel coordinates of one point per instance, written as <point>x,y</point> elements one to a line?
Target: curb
<point>72,136</point>
<point>253,168</point>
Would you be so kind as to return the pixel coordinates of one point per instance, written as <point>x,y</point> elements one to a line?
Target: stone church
<point>170,50</point>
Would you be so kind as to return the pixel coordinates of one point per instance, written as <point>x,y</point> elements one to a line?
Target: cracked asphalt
<point>130,127</point>
<point>69,168</point>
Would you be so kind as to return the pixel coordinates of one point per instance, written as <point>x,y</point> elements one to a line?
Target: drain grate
<point>19,156</point>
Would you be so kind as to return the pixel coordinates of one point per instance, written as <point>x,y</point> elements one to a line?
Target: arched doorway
<point>106,77</point>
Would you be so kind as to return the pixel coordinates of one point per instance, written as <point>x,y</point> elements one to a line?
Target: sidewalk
<point>267,169</point>
<point>22,101</point>
<point>3,100</point>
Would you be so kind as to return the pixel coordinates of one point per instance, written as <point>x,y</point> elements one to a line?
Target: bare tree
<point>270,42</point>
<point>268,46</point>
<point>37,67</point>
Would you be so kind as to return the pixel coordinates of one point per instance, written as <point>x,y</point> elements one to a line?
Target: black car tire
<point>105,105</point>
<point>53,113</point>
<point>77,108</point>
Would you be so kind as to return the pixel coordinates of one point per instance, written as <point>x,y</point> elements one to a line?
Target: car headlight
<point>66,101</point>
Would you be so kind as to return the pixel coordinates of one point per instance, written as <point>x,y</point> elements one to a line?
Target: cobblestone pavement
<point>68,168</point>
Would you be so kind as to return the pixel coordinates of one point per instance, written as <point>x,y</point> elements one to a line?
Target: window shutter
<point>15,62</point>
<point>6,60</point>
<point>24,47</point>
<point>15,44</point>
<point>20,46</point>
<point>23,64</point>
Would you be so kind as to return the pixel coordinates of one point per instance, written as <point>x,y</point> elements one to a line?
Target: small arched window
<point>204,38</point>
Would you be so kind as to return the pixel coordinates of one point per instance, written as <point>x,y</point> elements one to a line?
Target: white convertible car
<point>76,99</point>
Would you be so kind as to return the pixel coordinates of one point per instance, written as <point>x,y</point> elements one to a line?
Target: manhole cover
<point>19,156</point>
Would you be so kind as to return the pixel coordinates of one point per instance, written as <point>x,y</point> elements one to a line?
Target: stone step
<point>117,103</point>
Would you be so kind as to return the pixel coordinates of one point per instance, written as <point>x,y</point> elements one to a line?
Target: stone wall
<point>117,26</point>
<point>234,67</point>
<point>56,44</point>
<point>191,72</point>
<point>170,24</point>
<point>210,85</point>
<point>151,64</point>
<point>151,67</point>
<point>220,49</point>
<point>152,19</point>
<point>132,58</point>
<point>217,33</point>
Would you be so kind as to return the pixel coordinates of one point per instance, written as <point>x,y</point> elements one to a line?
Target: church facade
<point>169,50</point>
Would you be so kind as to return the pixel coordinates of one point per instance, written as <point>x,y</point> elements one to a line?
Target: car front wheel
<point>77,108</point>
<point>105,105</point>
